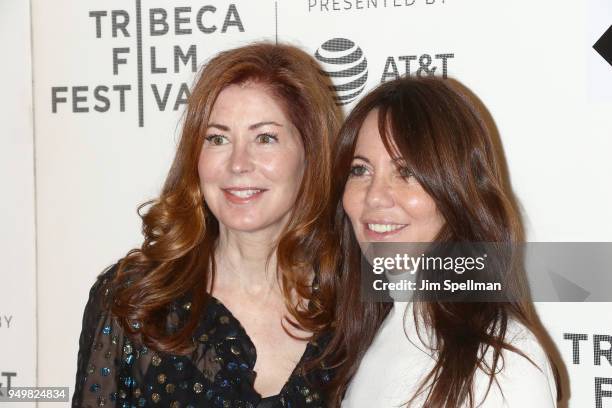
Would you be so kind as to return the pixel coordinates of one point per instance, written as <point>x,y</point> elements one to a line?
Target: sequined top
<point>115,371</point>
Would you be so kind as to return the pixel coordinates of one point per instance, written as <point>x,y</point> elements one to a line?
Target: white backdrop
<point>17,224</point>
<point>101,150</point>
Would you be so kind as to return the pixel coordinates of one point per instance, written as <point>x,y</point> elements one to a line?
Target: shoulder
<point>106,277</point>
<point>525,341</point>
<point>524,377</point>
<point>103,286</point>
<point>102,292</point>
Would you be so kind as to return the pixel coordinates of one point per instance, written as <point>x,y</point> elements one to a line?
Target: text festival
<point>178,21</point>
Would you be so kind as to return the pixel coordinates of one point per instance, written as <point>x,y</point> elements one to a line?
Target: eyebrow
<point>361,158</point>
<point>397,160</point>
<point>218,126</point>
<point>260,124</point>
<point>252,127</point>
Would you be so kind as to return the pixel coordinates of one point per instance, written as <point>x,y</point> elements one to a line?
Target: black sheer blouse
<point>114,371</point>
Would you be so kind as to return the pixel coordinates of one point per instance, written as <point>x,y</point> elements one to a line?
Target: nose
<point>379,193</point>
<point>241,160</point>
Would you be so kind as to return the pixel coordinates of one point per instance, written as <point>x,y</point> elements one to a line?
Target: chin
<point>240,226</point>
<point>245,225</point>
<point>251,221</point>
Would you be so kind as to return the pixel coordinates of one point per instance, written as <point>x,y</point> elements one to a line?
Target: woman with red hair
<point>231,295</point>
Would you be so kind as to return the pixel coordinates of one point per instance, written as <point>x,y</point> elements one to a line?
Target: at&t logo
<point>343,61</point>
<point>346,64</point>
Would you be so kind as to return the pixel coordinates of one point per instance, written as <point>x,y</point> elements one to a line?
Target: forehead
<point>369,140</point>
<point>247,102</point>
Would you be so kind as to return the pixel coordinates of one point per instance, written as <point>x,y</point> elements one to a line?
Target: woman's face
<point>252,160</point>
<point>383,202</point>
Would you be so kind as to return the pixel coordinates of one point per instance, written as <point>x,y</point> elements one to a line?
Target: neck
<point>246,262</point>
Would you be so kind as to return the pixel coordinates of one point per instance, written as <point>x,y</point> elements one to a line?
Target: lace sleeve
<point>100,348</point>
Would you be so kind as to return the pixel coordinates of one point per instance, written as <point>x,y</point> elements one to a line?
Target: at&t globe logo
<point>343,61</point>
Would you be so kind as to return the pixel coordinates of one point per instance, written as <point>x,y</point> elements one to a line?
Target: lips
<point>382,229</point>
<point>243,195</point>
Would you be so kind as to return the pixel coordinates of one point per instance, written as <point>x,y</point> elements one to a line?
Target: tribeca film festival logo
<point>601,357</point>
<point>180,22</point>
<point>345,63</point>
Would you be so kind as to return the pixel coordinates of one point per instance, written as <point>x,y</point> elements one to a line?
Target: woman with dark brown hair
<point>230,296</point>
<point>415,163</point>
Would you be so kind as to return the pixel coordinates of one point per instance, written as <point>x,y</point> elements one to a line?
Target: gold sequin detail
<point>137,392</point>
<point>161,378</point>
<point>155,397</point>
<point>187,306</point>
<point>175,404</point>
<point>156,360</point>
<point>224,319</point>
<point>122,394</point>
<point>101,401</point>
<point>204,337</point>
<point>170,388</point>
<point>197,388</point>
<point>91,368</point>
<point>235,350</point>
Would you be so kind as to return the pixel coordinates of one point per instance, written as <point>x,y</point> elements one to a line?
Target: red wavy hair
<point>180,233</point>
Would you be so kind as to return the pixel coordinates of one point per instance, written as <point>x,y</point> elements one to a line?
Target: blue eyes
<point>263,138</point>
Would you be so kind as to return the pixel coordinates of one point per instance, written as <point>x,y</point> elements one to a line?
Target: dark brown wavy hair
<point>180,233</point>
<point>440,134</point>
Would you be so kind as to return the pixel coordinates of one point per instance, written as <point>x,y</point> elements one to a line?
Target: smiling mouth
<point>244,193</point>
<point>241,195</point>
<point>384,229</point>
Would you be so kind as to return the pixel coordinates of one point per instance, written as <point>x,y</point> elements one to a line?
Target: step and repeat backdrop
<point>110,83</point>
<point>17,210</point>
